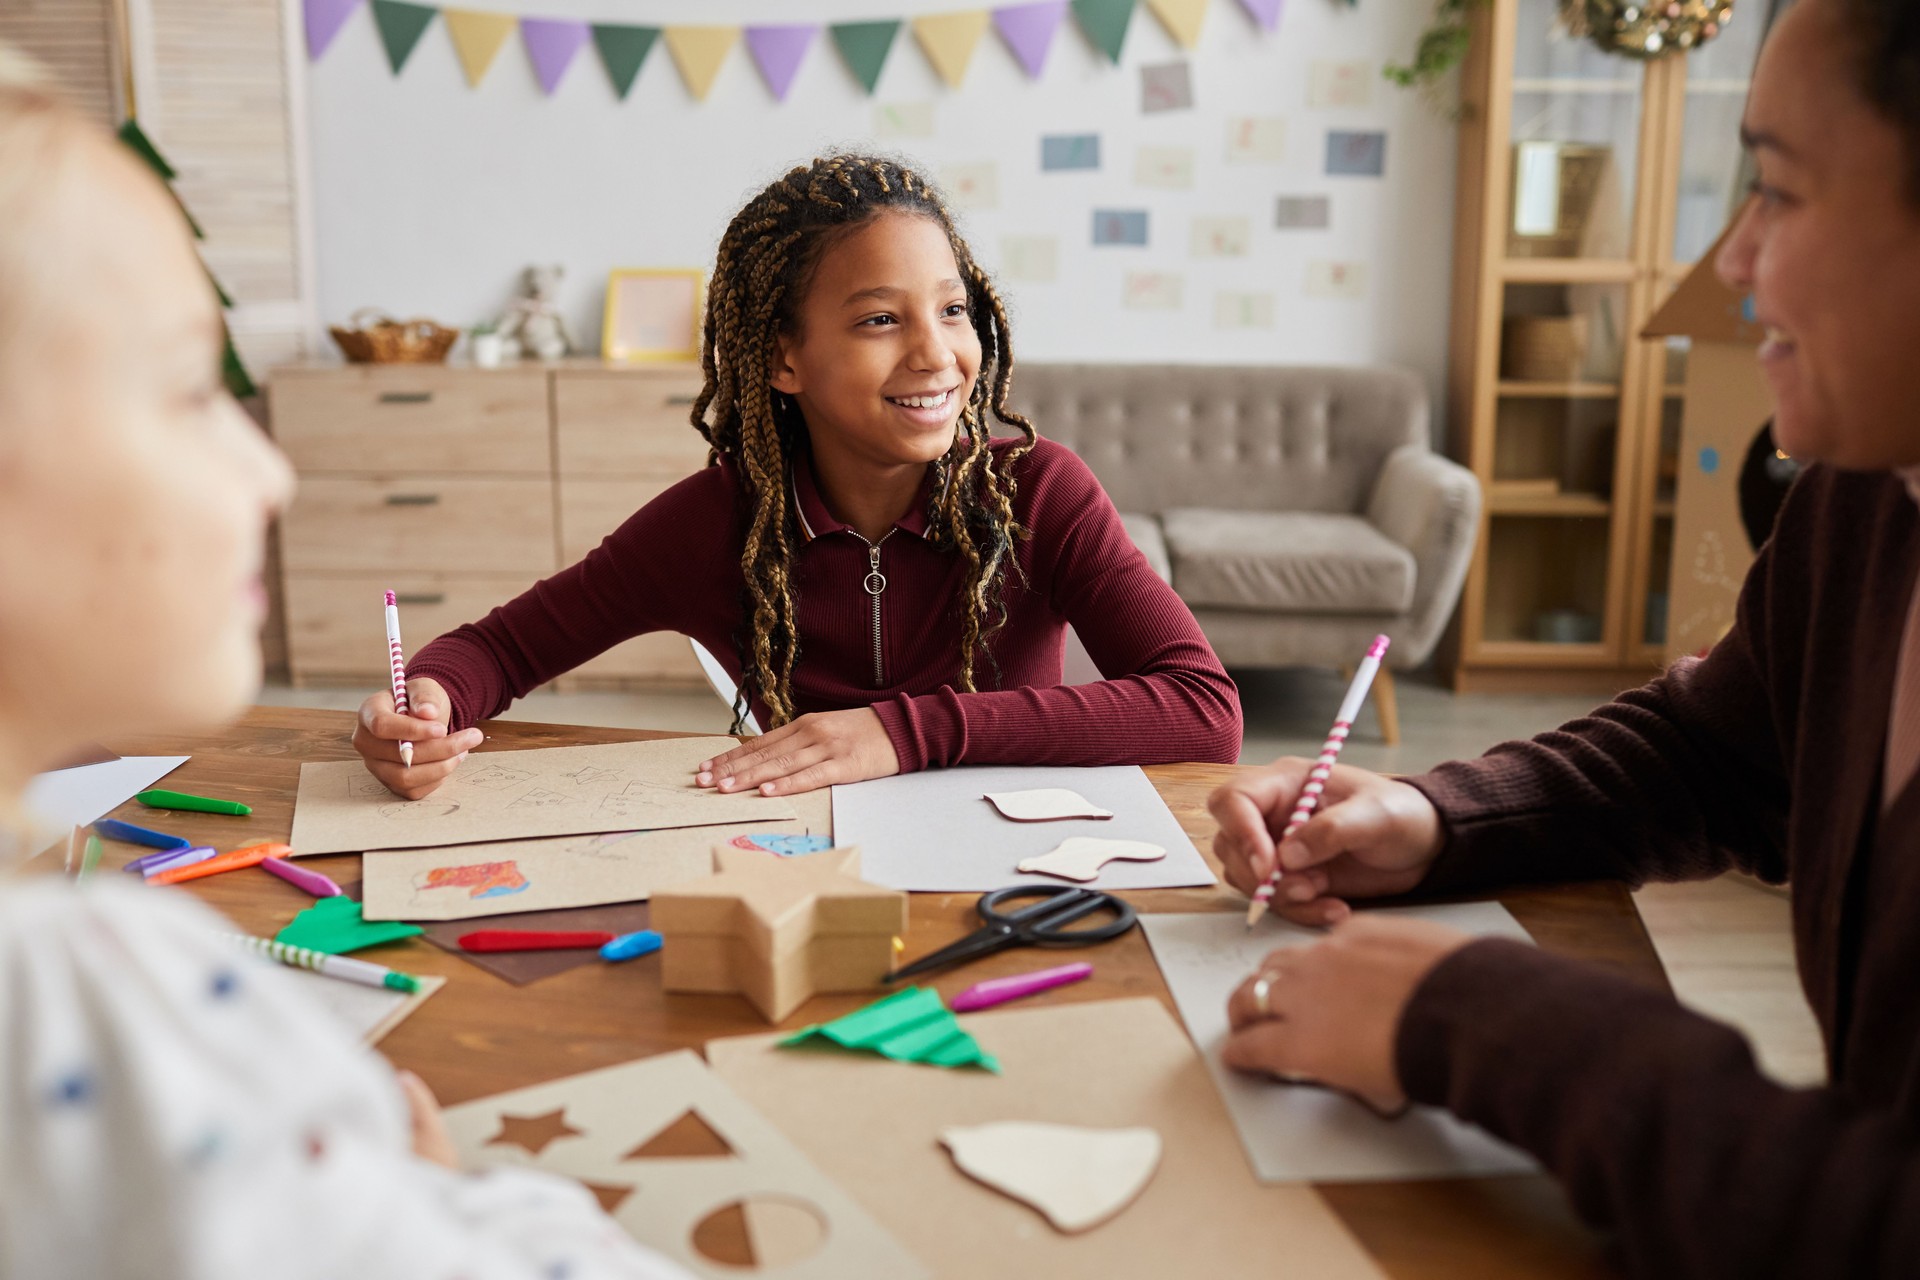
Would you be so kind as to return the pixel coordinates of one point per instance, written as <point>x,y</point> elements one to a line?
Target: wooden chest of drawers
<point>458,488</point>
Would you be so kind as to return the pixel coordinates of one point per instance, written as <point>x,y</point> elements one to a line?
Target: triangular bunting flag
<point>1105,24</point>
<point>865,46</point>
<point>948,40</point>
<point>477,38</point>
<point>324,19</point>
<point>551,46</point>
<point>777,51</point>
<point>1028,30</point>
<point>401,26</point>
<point>698,52</point>
<point>1264,12</point>
<point>622,50</point>
<point>1181,18</point>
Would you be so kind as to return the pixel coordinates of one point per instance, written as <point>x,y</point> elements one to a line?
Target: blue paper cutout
<point>1066,151</point>
<point>1361,154</point>
<point>1119,226</point>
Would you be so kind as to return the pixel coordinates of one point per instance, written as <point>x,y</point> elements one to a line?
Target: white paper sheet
<point>932,832</point>
<point>366,1013</point>
<point>1296,1133</point>
<point>68,798</point>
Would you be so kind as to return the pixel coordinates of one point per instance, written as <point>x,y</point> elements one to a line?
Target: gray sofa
<point>1298,511</point>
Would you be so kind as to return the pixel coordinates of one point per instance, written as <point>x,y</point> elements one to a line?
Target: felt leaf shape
<point>1182,19</point>
<point>698,52</point>
<point>1044,804</point>
<point>335,926</point>
<point>948,40</point>
<point>1081,857</point>
<point>1078,1178</point>
<point>477,38</point>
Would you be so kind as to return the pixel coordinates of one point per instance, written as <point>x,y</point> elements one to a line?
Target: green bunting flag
<point>865,46</point>
<point>401,26</point>
<point>1105,24</point>
<point>622,50</point>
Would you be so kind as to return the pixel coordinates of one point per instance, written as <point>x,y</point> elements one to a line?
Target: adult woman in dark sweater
<point>889,583</point>
<point>1775,754</point>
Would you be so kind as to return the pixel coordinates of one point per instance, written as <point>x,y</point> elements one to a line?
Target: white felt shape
<point>1081,857</point>
<point>1045,804</point>
<point>1077,1177</point>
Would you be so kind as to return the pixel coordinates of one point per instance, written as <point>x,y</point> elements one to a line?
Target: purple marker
<point>984,995</point>
<point>154,863</point>
<point>301,878</point>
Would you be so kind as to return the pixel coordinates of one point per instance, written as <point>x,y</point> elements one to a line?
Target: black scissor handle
<point>1044,922</point>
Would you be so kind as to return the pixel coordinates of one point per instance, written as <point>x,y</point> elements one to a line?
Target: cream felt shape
<point>1081,857</point>
<point>1045,804</point>
<point>1077,1177</point>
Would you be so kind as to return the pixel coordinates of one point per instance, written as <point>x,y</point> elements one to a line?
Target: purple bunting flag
<point>1028,30</point>
<point>551,45</point>
<point>778,52</point>
<point>324,20</point>
<point>1264,12</point>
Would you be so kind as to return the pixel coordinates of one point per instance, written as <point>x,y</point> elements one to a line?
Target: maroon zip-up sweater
<point>1767,756</point>
<point>675,566</point>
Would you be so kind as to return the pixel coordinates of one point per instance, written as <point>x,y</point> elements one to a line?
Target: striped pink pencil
<point>399,665</point>
<point>1317,779</point>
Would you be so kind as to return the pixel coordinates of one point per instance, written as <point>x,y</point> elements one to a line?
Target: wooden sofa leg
<point>1386,702</point>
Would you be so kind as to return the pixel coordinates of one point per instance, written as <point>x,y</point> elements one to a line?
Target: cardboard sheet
<point>468,881</point>
<point>506,795</point>
<point>874,1126</point>
<point>1302,1133</point>
<point>932,832</point>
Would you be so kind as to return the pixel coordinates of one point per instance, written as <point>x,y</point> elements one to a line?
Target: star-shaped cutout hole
<point>533,1134</point>
<point>689,1136</point>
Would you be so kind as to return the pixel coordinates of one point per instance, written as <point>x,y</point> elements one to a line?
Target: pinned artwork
<point>1168,168</point>
<point>1303,213</point>
<point>972,186</point>
<point>1077,1178</point>
<point>1222,237</point>
<point>783,844</point>
<point>1151,291</point>
<point>1120,226</point>
<point>1243,311</point>
<point>1031,258</point>
<point>1356,154</point>
<point>1166,86</point>
<point>903,120</point>
<point>1044,804</point>
<point>612,1129</point>
<point>1063,152</point>
<point>1340,84</point>
<point>521,794</point>
<point>1081,857</point>
<point>1256,140</point>
<point>1336,280</point>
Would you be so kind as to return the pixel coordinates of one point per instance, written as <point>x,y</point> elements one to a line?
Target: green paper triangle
<point>865,46</point>
<point>401,26</point>
<point>1104,22</point>
<point>335,925</point>
<point>908,1026</point>
<point>134,136</point>
<point>622,50</point>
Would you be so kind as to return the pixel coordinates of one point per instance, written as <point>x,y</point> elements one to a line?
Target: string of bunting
<point>946,40</point>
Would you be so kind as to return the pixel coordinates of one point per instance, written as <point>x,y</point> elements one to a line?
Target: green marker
<point>181,802</point>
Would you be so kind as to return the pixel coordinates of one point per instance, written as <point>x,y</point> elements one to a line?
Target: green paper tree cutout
<point>622,50</point>
<point>1104,23</point>
<point>401,26</point>
<point>865,46</point>
<point>240,384</point>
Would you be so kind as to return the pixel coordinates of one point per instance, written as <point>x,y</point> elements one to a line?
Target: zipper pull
<point>876,581</point>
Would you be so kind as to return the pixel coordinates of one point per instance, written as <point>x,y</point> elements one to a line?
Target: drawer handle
<point>420,597</point>
<point>406,397</point>
<point>681,400</point>
<point>413,499</point>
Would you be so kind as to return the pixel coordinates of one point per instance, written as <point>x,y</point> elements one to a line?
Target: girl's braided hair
<point>766,261</point>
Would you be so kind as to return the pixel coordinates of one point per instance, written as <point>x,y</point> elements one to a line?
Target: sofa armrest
<point>1430,506</point>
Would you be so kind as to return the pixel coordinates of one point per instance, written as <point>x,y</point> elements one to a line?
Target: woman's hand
<point>430,1139</point>
<point>436,753</point>
<point>1332,1008</point>
<point>1370,837</point>
<point>817,750</point>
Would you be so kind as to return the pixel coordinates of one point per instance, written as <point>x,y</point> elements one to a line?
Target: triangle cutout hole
<point>688,1137</point>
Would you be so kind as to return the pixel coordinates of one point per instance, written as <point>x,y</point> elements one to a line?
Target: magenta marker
<point>301,878</point>
<point>984,995</point>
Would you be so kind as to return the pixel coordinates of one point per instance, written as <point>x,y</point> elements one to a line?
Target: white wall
<point>429,196</point>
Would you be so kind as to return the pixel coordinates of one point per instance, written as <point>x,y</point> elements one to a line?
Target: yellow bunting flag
<point>477,38</point>
<point>1181,18</point>
<point>948,40</point>
<point>698,52</point>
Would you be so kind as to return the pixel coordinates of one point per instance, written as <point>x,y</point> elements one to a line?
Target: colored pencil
<point>399,665</point>
<point>1317,778</point>
<point>363,972</point>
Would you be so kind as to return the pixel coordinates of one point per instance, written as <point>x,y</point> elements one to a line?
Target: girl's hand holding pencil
<point>436,753</point>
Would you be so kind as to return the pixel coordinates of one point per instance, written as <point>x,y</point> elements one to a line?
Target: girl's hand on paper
<point>1370,837</point>
<point>817,750</point>
<point>436,753</point>
<point>430,1140</point>
<point>1333,1008</point>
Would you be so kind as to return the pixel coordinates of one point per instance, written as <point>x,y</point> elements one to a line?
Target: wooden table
<point>481,1035</point>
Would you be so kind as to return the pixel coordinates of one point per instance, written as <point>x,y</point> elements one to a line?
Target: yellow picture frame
<point>653,315</point>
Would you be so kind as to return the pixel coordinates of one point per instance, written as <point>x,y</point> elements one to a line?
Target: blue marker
<point>631,946</point>
<point>127,833</point>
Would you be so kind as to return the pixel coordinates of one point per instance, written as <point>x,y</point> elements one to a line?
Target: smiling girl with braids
<point>891,583</point>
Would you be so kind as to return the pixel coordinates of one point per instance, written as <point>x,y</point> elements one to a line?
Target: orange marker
<point>251,856</point>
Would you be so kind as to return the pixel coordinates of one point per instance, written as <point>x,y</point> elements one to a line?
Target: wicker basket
<point>1543,348</point>
<point>389,341</point>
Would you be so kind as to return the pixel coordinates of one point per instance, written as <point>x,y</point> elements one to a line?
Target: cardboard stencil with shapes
<point>500,795</point>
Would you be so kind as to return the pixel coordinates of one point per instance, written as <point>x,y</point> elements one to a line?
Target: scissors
<point>1043,924</point>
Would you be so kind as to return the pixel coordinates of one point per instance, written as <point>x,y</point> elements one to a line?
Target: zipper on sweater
<point>875,583</point>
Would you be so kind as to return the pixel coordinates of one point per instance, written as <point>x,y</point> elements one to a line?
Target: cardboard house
<point>1725,404</point>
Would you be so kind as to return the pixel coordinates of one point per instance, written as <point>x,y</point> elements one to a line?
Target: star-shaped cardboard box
<point>778,930</point>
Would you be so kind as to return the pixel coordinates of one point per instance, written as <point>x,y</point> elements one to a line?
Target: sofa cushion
<point>1145,532</point>
<point>1286,561</point>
